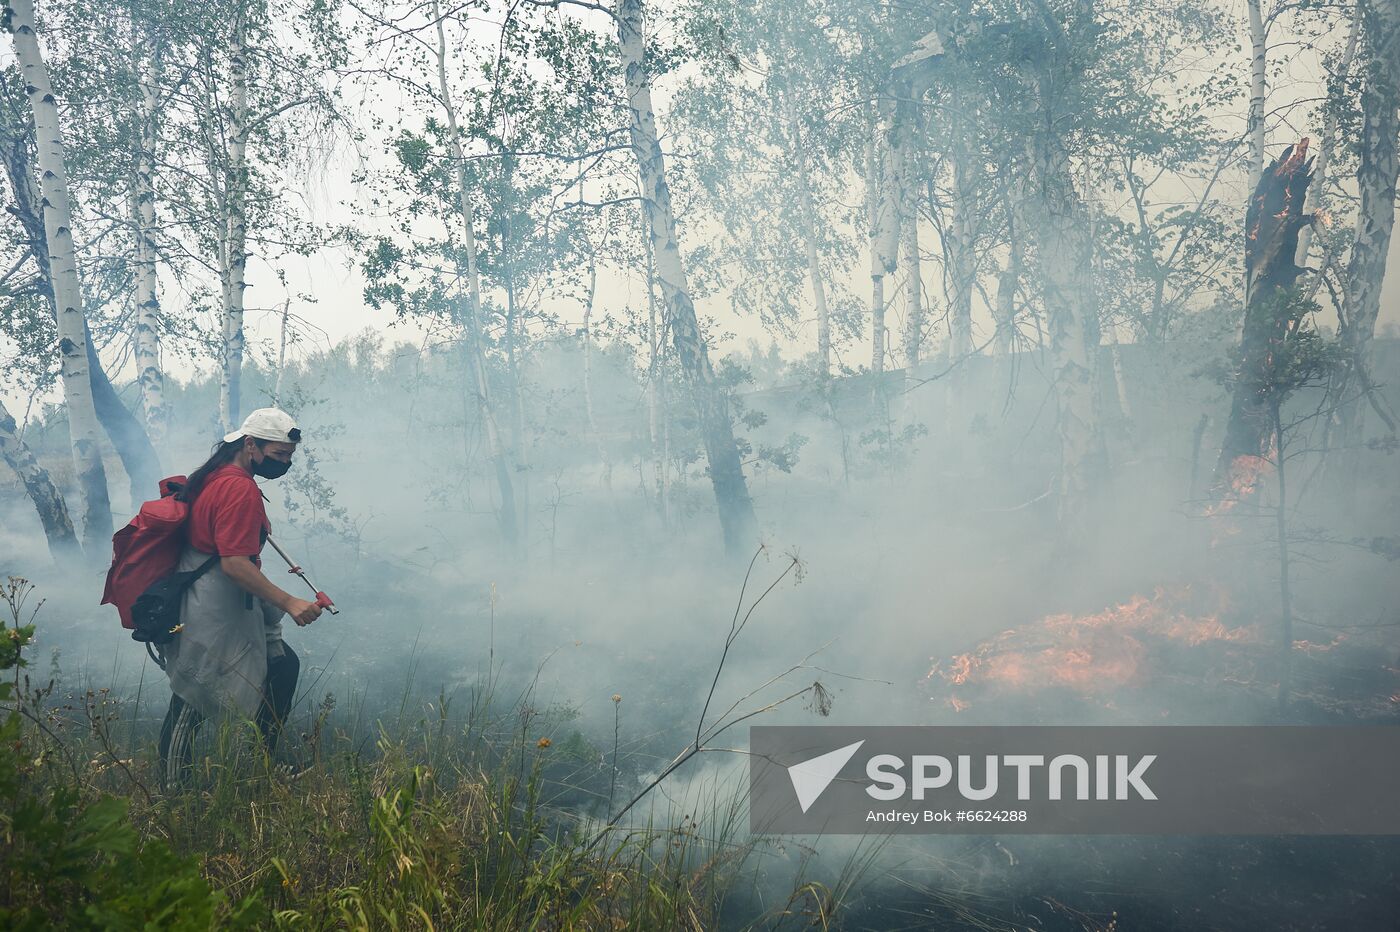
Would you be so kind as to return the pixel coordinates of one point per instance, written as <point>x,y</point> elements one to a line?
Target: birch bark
<point>128,437</point>
<point>658,416</point>
<point>234,252</point>
<point>48,501</point>
<point>913,290</point>
<point>1258,90</point>
<point>1376,184</point>
<point>146,335</point>
<point>732,499</point>
<point>1317,192</point>
<point>889,203</point>
<point>68,297</point>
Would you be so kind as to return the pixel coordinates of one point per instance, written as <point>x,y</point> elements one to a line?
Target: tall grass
<point>445,819</point>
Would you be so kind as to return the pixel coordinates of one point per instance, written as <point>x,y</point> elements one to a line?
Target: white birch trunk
<point>1120,379</point>
<point>1258,90</point>
<point>890,196</point>
<point>83,427</point>
<point>48,501</point>
<point>1376,177</point>
<point>726,471</point>
<point>234,257</point>
<point>146,336</point>
<point>913,290</point>
<point>475,353</point>
<point>910,78</point>
<point>656,386</point>
<point>1317,191</point>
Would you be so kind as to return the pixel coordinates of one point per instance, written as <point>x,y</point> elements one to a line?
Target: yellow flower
<point>545,742</point>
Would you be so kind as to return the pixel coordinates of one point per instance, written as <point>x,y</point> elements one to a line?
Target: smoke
<point>917,534</point>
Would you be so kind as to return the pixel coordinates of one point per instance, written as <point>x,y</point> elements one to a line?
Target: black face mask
<point>270,468</point>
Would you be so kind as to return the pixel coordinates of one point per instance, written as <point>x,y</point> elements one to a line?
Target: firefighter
<point>229,657</point>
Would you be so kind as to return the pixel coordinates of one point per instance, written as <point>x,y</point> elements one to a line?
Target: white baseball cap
<point>267,424</point>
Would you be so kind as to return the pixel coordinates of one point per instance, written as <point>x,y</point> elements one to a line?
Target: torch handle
<point>322,599</point>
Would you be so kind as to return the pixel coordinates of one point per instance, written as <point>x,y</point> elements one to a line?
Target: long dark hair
<point>224,453</point>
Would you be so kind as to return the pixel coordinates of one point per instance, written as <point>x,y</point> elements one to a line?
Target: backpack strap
<point>202,569</point>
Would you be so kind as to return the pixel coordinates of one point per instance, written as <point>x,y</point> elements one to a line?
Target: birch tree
<point>1378,167</point>
<point>732,499</point>
<point>254,103</point>
<point>48,500</point>
<point>35,327</point>
<point>1317,193</point>
<point>510,130</point>
<point>1255,127</point>
<point>68,296</point>
<point>145,339</point>
<point>228,160</point>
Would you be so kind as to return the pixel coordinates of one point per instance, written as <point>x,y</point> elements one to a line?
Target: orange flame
<point>1088,654</point>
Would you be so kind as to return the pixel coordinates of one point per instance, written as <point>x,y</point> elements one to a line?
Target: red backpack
<point>147,549</point>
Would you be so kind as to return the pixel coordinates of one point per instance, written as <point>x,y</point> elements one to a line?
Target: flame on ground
<point>1087,654</point>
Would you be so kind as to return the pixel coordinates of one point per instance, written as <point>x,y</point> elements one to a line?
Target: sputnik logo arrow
<point>811,777</point>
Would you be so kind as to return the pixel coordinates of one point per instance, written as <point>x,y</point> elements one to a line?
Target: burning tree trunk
<point>1272,223</point>
<point>48,501</point>
<point>475,353</point>
<point>146,334</point>
<point>68,294</point>
<point>233,254</point>
<point>736,513</point>
<point>1376,184</point>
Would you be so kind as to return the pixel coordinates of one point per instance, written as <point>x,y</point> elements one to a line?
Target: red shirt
<point>228,517</point>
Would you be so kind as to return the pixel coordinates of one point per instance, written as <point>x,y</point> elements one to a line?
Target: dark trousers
<point>182,720</point>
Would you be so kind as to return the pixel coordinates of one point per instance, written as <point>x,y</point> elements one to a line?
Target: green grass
<point>435,821</point>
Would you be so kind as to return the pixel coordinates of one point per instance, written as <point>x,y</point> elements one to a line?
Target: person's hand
<point>303,612</point>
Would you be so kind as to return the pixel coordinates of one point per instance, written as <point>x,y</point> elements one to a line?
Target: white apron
<point>218,662</point>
